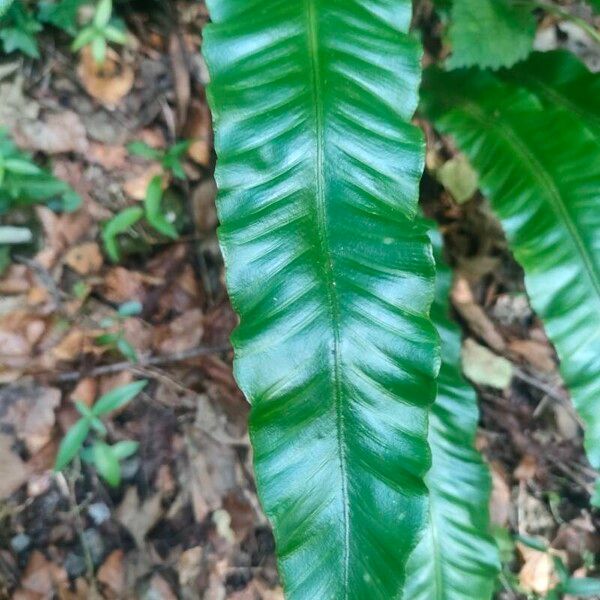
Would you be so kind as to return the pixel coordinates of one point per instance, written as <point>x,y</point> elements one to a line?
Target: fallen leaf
<point>85,391</point>
<point>500,496</point>
<point>203,206</point>
<point>13,471</point>
<point>484,367</point>
<point>139,517</point>
<point>109,84</point>
<point>108,156</point>
<point>42,576</point>
<point>184,333</point>
<point>537,574</point>
<point>136,186</point>
<point>539,355</point>
<point>199,130</point>
<point>85,258</point>
<point>29,411</point>
<point>112,573</point>
<point>57,133</point>
<point>478,321</point>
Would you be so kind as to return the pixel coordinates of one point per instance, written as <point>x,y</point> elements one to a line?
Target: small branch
<point>71,376</point>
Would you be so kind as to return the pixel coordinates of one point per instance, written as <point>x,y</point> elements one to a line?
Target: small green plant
<point>23,183</point>
<point>62,14</point>
<point>18,31</point>
<point>116,337</point>
<point>106,458</point>
<point>102,30</point>
<point>170,159</point>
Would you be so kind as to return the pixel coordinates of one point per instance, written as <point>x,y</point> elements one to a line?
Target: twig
<point>144,362</point>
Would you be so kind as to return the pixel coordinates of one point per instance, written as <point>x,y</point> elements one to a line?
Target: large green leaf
<point>457,558</point>
<point>559,79</point>
<point>318,173</point>
<point>4,6</point>
<point>490,33</point>
<point>540,168</point>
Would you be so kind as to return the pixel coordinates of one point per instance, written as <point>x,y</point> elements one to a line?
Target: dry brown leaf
<point>109,84</point>
<point>527,468</point>
<point>56,133</point>
<point>199,130</point>
<point>29,411</point>
<point>13,471</point>
<point>184,333</point>
<point>85,391</point>
<point>537,574</point>
<point>109,156</point>
<point>42,576</point>
<point>479,323</point>
<point>85,258</point>
<point>500,497</point>
<point>112,573</point>
<point>203,206</point>
<point>539,355</point>
<point>136,186</point>
<point>139,517</point>
<point>121,285</point>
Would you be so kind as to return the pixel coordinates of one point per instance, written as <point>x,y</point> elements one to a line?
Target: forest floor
<point>186,522</point>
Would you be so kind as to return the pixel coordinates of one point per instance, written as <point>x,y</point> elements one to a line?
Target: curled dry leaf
<point>538,574</point>
<point>108,84</point>
<point>484,367</point>
<point>199,130</point>
<point>85,258</point>
<point>500,497</point>
<point>57,133</point>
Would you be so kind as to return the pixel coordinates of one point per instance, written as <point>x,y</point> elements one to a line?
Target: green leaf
<point>538,167</point>
<point>61,14</point>
<point>115,35</point>
<point>531,542</point>
<point>15,235</point>
<point>4,6</point>
<point>84,38</point>
<point>125,449</point>
<point>119,224</point>
<point>71,443</point>
<point>457,559</point>
<point>103,14</point>
<point>130,309</point>
<point>118,397</point>
<point>99,49</point>
<point>332,278</point>
<point>560,80</point>
<point>127,350</point>
<point>144,150</point>
<point>153,209</point>
<point>584,587</point>
<point>107,464</point>
<point>21,166</point>
<point>490,33</point>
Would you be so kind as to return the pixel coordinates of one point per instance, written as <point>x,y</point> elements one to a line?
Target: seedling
<point>104,457</point>
<point>116,337</point>
<point>102,30</point>
<point>19,29</point>
<point>169,159</point>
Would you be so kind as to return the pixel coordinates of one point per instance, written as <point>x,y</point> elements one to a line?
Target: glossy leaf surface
<point>540,168</point>
<point>318,171</point>
<point>457,559</point>
<point>560,80</point>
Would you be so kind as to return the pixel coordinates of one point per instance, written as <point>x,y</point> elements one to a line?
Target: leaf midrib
<point>325,247</point>
<point>545,179</point>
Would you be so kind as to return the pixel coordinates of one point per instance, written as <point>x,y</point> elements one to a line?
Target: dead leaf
<point>539,355</point>
<point>13,471</point>
<point>537,574</point>
<point>459,178</point>
<point>109,84</point>
<point>29,411</point>
<point>121,285</point>
<point>484,367</point>
<point>199,130</point>
<point>85,258</point>
<point>57,133</point>
<point>479,323</point>
<point>500,496</point>
<point>112,573</point>
<point>184,333</point>
<point>139,517</point>
<point>527,468</point>
<point>136,186</point>
<point>108,156</point>
<point>203,206</point>
<point>85,391</point>
<point>181,77</point>
<point>42,576</point>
